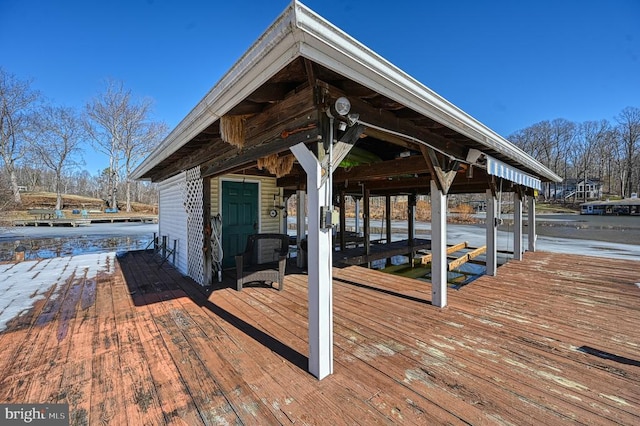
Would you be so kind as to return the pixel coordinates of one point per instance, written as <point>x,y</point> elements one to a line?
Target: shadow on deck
<point>167,283</point>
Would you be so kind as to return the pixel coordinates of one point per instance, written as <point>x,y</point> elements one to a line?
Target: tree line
<point>42,145</point>
<point>606,151</point>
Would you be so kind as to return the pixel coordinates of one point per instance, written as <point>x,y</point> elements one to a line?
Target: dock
<point>552,339</point>
<point>83,221</point>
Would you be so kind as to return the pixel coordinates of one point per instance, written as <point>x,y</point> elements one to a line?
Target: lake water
<point>605,236</point>
<point>608,236</point>
<point>43,242</point>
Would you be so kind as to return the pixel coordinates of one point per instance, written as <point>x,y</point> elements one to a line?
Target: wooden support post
<point>164,247</point>
<point>300,227</point>
<point>387,209</point>
<point>492,233</point>
<point>320,260</point>
<point>320,243</point>
<point>532,236</point>
<point>343,221</point>
<point>357,218</point>
<point>387,218</point>
<point>367,221</point>
<point>438,246</point>
<point>517,224</point>
<point>283,217</point>
<point>411,225</point>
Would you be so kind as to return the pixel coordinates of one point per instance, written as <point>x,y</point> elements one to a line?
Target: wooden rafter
<point>443,175</point>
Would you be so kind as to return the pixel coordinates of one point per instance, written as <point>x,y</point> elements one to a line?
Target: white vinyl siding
<point>172,218</point>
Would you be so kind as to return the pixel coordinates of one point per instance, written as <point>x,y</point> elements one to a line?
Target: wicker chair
<point>264,259</point>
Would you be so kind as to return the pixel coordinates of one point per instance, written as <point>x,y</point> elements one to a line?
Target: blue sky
<point>508,63</point>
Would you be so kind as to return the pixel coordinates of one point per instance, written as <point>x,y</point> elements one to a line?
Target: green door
<point>239,217</point>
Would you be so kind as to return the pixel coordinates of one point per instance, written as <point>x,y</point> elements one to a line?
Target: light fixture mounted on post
<point>342,106</point>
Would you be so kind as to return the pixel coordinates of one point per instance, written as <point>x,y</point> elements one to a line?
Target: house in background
<point>309,110</point>
<point>571,189</point>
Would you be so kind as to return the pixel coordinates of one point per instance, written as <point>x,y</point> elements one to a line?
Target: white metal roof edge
<point>335,49</point>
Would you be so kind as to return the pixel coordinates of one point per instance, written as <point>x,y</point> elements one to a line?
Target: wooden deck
<point>551,339</point>
<point>52,222</point>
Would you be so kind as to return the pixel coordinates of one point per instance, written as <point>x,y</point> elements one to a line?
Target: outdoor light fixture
<point>342,106</point>
<point>473,155</point>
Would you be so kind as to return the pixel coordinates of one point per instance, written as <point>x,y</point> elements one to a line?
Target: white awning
<point>500,169</point>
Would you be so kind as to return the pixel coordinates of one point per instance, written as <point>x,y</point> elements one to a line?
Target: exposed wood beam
<point>399,166</point>
<point>201,155</point>
<point>270,92</point>
<point>296,112</point>
<point>443,176</point>
<point>310,70</point>
<point>390,121</point>
<point>345,143</point>
<point>249,156</point>
<point>406,185</point>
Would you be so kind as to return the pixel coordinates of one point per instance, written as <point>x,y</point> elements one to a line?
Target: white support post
<point>532,223</point>
<point>319,261</point>
<point>438,246</point>
<point>492,233</point>
<point>517,223</point>
<point>300,226</point>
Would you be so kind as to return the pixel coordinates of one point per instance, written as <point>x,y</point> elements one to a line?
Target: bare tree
<point>549,142</point>
<point>563,134</point>
<point>106,115</point>
<point>628,130</point>
<point>605,155</point>
<point>139,139</point>
<point>17,102</point>
<point>121,128</point>
<point>593,135</point>
<point>59,137</point>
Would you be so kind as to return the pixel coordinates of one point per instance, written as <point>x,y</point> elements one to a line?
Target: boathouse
<point>285,118</point>
<point>624,207</point>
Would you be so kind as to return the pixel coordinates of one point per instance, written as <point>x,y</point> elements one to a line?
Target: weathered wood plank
<point>107,400</point>
<point>171,389</point>
<point>451,249</point>
<point>455,264</point>
<point>75,382</point>
<point>139,390</point>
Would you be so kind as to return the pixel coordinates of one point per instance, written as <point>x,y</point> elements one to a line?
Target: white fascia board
<point>336,50</point>
<point>269,54</point>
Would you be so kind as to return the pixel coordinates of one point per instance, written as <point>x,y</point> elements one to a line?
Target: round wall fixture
<point>342,105</point>
<point>273,213</point>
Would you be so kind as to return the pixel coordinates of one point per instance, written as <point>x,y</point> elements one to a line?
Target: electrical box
<point>328,217</point>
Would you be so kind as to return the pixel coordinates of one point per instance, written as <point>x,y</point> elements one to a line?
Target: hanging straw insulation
<point>279,166</point>
<point>232,129</point>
